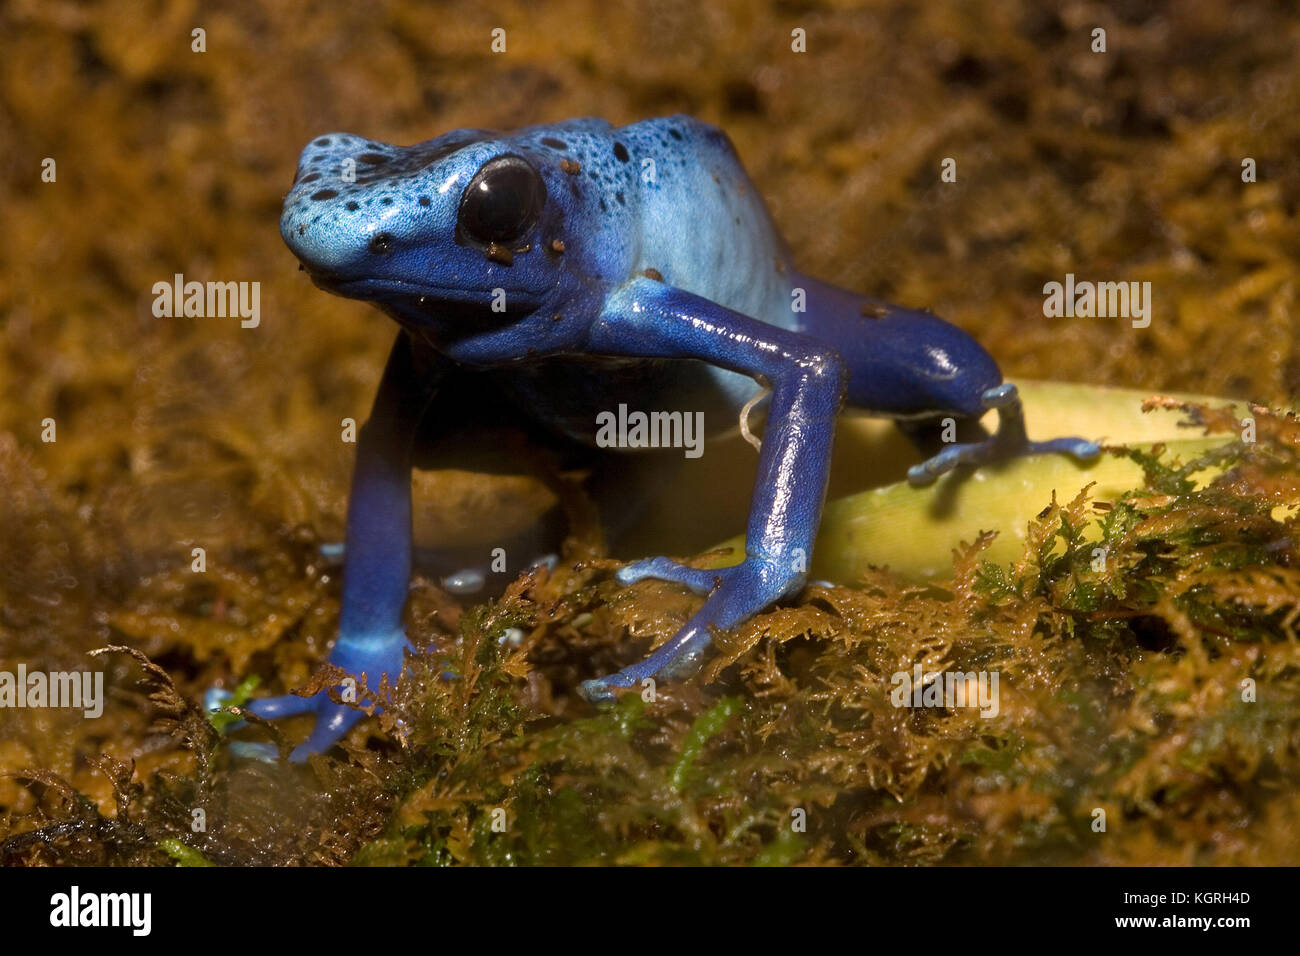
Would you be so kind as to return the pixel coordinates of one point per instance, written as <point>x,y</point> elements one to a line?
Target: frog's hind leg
<point>921,371</point>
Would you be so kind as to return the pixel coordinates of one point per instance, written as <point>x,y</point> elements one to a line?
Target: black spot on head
<point>619,197</point>
<point>310,179</point>
<point>412,160</point>
<point>424,200</point>
<point>352,206</point>
<point>674,134</point>
<point>602,205</point>
<point>592,173</point>
<point>323,141</point>
<point>388,200</point>
<point>620,152</point>
<point>325,194</point>
<point>554,143</point>
<point>373,159</point>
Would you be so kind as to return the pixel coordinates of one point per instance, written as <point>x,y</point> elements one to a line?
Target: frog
<point>547,275</point>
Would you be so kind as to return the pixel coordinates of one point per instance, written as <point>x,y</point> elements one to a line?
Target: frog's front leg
<point>650,320</point>
<point>1009,441</point>
<point>377,569</point>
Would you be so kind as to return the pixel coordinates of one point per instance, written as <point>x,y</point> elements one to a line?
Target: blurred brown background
<point>171,432</point>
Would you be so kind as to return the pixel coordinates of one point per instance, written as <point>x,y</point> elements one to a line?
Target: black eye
<point>502,202</point>
<point>381,242</point>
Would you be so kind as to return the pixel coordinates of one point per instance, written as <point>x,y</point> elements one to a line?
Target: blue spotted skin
<point>653,276</point>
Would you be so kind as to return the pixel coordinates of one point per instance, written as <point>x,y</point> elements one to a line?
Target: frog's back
<point>703,225</point>
<point>668,197</point>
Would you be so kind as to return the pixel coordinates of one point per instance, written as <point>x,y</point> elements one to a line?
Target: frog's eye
<point>502,202</point>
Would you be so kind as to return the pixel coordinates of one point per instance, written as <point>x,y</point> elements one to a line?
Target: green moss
<point>182,854</point>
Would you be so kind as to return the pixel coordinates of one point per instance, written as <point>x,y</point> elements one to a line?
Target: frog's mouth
<point>422,307</point>
<point>420,295</point>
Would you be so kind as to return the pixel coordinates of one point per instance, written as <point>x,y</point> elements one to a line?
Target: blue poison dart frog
<point>544,276</point>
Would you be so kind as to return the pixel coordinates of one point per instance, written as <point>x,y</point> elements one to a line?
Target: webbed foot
<point>735,593</point>
<point>1010,441</point>
<point>370,658</point>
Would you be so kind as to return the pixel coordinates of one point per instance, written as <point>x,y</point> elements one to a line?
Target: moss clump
<point>1147,664</point>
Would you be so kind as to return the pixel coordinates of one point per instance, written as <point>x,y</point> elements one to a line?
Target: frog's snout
<point>352,201</point>
<point>322,221</point>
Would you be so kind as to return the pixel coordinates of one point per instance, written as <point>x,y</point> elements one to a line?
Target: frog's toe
<point>945,461</point>
<point>701,581</point>
<point>1000,396</point>
<point>671,662</point>
<point>216,699</point>
<point>332,722</point>
<point>1079,448</point>
<point>604,688</point>
<point>286,705</point>
<point>995,449</point>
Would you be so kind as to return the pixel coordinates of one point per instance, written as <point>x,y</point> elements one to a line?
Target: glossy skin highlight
<point>645,270</point>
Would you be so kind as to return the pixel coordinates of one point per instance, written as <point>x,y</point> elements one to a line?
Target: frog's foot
<point>735,594</point>
<point>1009,442</point>
<point>332,722</point>
<point>701,581</point>
<point>370,657</point>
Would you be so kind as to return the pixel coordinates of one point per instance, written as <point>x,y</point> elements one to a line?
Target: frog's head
<point>455,236</point>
